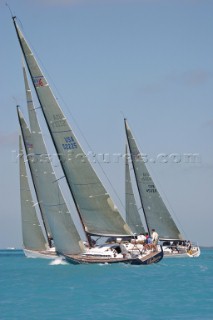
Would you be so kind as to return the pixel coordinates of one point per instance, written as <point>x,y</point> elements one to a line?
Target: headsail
<point>132,215</point>
<point>156,214</point>
<point>63,230</point>
<point>33,238</point>
<point>28,143</point>
<point>96,209</point>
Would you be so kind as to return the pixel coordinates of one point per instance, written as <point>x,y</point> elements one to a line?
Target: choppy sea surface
<point>44,289</point>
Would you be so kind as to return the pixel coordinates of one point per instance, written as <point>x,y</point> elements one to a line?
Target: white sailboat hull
<point>47,254</point>
<point>182,252</point>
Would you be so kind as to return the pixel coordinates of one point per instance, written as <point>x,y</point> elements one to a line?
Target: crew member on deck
<point>155,237</point>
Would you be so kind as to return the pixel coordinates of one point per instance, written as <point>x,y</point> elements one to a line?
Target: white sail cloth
<point>50,198</point>
<point>156,213</point>
<point>32,235</point>
<point>133,218</point>
<point>98,213</point>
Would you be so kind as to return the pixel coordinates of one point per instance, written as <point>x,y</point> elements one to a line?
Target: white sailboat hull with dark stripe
<point>114,253</point>
<point>181,252</point>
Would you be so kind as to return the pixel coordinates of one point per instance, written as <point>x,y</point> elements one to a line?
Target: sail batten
<point>155,211</point>
<point>96,215</point>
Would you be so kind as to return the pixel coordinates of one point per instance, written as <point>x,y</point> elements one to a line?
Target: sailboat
<point>50,199</point>
<point>97,212</point>
<point>34,242</point>
<point>155,212</point>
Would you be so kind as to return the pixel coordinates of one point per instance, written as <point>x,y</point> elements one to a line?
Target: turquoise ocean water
<point>44,289</point>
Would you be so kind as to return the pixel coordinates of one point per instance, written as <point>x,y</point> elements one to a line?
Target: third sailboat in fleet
<point>156,214</point>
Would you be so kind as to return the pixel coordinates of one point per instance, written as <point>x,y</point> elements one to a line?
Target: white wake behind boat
<point>156,214</point>
<point>97,212</point>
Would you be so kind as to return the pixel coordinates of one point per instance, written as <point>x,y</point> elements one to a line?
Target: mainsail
<point>98,214</point>
<point>50,198</point>
<point>132,215</point>
<point>33,238</point>
<point>156,214</point>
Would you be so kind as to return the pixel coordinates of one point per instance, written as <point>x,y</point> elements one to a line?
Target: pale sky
<point>147,60</point>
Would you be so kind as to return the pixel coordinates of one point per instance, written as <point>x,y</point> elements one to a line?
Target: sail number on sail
<point>151,188</point>
<point>70,143</point>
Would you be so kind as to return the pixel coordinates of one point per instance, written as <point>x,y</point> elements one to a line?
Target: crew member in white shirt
<point>141,237</point>
<point>155,237</point>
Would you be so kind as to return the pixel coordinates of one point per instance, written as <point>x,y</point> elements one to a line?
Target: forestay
<point>33,238</point>
<point>156,214</point>
<point>96,209</point>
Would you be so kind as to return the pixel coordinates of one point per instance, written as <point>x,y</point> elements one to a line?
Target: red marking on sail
<point>38,82</point>
<point>29,145</point>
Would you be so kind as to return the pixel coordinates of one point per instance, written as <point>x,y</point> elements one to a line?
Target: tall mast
<point>133,164</point>
<point>133,217</point>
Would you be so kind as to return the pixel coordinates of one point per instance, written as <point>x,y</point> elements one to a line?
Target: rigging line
<point>78,127</point>
<point>115,192</point>
<point>123,115</point>
<point>7,5</point>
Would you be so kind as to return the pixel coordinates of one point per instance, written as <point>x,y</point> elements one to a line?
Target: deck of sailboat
<point>183,253</point>
<point>152,257</point>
